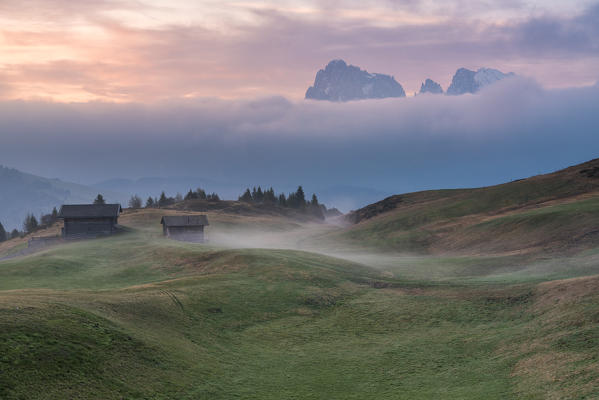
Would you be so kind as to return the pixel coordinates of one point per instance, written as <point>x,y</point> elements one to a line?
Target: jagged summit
<point>342,82</point>
<point>430,86</point>
<point>468,81</point>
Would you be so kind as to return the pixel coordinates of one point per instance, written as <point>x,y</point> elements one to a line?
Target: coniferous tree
<point>301,197</point>
<point>315,208</point>
<point>163,200</point>
<point>213,197</point>
<point>135,202</point>
<point>3,234</point>
<point>292,200</point>
<point>314,201</point>
<point>246,196</point>
<point>99,199</point>
<point>15,233</point>
<point>30,224</point>
<point>191,195</point>
<point>269,196</point>
<point>282,200</point>
<point>150,202</point>
<point>259,195</point>
<point>201,194</point>
<point>46,220</point>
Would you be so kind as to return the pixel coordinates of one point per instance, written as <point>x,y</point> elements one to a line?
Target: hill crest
<point>551,213</point>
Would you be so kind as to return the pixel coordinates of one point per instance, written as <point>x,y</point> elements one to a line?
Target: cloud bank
<point>510,130</point>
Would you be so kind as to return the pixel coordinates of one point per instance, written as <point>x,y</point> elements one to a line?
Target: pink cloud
<point>277,53</point>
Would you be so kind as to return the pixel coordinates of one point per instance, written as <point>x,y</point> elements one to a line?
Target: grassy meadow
<point>142,317</point>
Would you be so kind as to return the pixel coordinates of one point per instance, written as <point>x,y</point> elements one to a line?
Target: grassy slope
<point>138,316</point>
<point>550,213</point>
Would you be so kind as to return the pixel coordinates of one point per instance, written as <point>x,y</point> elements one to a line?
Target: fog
<point>320,238</point>
<point>510,130</point>
<point>315,238</point>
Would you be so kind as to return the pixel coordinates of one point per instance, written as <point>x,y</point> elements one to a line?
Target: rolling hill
<point>545,214</point>
<point>264,310</point>
<point>139,316</point>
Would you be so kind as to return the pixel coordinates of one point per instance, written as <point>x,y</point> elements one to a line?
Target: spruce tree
<point>213,197</point>
<point>260,195</point>
<point>15,233</point>
<point>316,209</point>
<point>314,201</point>
<point>301,197</point>
<point>30,224</point>
<point>46,220</point>
<point>246,196</point>
<point>150,202</point>
<point>201,194</point>
<point>135,202</point>
<point>3,234</point>
<point>282,200</point>
<point>163,200</point>
<point>269,196</point>
<point>99,199</point>
<point>191,195</point>
<point>292,200</point>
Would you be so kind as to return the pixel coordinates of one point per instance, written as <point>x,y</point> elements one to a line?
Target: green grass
<point>553,213</point>
<point>138,316</point>
<point>13,250</point>
<point>458,226</point>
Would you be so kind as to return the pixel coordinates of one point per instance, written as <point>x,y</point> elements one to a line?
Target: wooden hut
<point>89,220</point>
<point>188,228</point>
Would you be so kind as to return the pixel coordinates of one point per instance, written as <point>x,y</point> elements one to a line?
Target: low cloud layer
<point>510,130</point>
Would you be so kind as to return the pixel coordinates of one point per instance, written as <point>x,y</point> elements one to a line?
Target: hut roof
<point>184,220</point>
<point>89,211</point>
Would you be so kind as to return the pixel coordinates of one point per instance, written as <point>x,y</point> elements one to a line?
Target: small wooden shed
<point>89,220</point>
<point>188,228</point>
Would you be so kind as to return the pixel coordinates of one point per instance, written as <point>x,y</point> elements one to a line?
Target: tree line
<point>296,200</point>
<point>163,200</point>
<point>31,224</point>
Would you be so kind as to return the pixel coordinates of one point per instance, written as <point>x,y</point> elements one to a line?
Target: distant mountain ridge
<point>430,86</point>
<point>23,193</point>
<point>342,82</point>
<point>467,81</point>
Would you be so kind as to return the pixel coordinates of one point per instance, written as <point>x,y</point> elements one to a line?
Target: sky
<point>149,50</point>
<point>96,90</point>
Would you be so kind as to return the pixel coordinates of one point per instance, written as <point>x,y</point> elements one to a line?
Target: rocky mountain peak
<point>339,81</point>
<point>430,86</point>
<point>468,81</point>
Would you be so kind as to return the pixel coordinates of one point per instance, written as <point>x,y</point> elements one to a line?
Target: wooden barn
<point>89,220</point>
<point>188,228</point>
